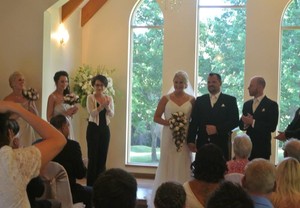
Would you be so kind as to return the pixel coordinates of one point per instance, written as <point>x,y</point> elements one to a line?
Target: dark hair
<point>4,122</point>
<point>215,74</point>
<point>14,126</point>
<point>229,195</point>
<point>209,165</point>
<point>115,188</point>
<point>58,121</point>
<point>56,77</point>
<point>170,195</point>
<point>100,78</point>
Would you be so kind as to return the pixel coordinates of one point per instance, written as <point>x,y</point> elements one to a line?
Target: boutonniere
<point>223,105</point>
<point>263,110</point>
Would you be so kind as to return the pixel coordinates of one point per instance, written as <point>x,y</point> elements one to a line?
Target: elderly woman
<point>17,84</point>
<point>287,193</point>
<point>208,168</point>
<point>242,147</point>
<point>19,166</point>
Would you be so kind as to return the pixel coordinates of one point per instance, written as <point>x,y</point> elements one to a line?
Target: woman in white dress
<point>174,164</point>
<point>17,84</point>
<point>56,103</point>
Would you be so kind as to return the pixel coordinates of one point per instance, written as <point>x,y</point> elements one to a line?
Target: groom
<point>213,117</point>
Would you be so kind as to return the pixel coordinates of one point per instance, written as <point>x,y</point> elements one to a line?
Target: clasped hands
<point>103,105</point>
<point>281,136</point>
<point>248,120</point>
<point>71,111</point>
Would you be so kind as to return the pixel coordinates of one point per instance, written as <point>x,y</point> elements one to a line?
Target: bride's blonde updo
<point>182,75</point>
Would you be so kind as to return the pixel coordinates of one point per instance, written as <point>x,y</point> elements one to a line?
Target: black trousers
<point>97,145</point>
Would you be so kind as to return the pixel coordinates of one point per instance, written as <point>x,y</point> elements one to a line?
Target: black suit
<point>293,129</point>
<point>71,159</point>
<point>266,119</point>
<point>224,115</point>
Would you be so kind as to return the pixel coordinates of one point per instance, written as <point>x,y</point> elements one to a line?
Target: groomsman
<point>259,119</point>
<point>292,130</point>
<point>213,117</point>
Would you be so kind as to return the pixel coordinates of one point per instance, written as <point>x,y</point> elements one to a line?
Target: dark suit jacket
<point>71,159</point>
<point>266,119</point>
<point>293,129</point>
<point>224,115</point>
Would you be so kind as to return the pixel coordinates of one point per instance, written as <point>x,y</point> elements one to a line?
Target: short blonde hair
<point>242,146</point>
<point>13,77</point>
<point>182,75</point>
<point>259,176</point>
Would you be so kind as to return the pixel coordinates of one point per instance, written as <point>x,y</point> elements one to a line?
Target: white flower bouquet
<point>30,94</point>
<point>71,99</point>
<point>82,81</point>
<point>178,123</point>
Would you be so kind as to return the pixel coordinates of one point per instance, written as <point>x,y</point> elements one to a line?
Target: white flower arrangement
<point>30,94</point>
<point>71,99</point>
<point>178,123</point>
<point>82,81</point>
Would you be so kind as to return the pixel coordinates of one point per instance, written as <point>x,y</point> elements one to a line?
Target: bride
<point>175,158</point>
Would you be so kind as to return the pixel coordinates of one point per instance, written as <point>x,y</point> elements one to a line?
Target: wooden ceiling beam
<point>90,9</point>
<point>68,8</point>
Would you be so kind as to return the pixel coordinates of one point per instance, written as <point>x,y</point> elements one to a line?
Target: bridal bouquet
<point>177,125</point>
<point>71,99</point>
<point>30,94</point>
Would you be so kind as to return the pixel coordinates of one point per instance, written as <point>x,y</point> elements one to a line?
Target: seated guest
<point>292,148</point>
<point>259,181</point>
<point>229,195</point>
<point>208,170</point>
<point>287,193</point>
<point>20,165</point>
<point>115,188</point>
<point>170,195</point>
<point>242,147</point>
<point>71,159</point>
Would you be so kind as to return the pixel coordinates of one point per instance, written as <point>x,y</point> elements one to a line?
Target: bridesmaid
<point>56,103</point>
<point>101,108</point>
<point>17,84</point>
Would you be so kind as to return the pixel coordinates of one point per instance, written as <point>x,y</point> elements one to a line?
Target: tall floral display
<point>82,81</point>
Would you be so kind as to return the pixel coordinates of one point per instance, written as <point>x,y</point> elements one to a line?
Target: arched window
<point>290,66</point>
<point>221,49</point>
<point>145,78</point>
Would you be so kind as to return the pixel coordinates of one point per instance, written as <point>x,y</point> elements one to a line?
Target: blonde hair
<point>287,183</point>
<point>242,146</point>
<point>13,77</point>
<point>259,176</point>
<point>182,75</point>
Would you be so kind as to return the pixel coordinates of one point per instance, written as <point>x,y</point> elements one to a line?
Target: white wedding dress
<point>173,165</point>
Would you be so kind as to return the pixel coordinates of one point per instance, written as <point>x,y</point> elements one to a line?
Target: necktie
<point>213,100</point>
<point>255,104</point>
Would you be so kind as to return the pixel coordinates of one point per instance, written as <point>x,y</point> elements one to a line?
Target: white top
<point>18,167</point>
<point>191,199</point>
<point>91,105</point>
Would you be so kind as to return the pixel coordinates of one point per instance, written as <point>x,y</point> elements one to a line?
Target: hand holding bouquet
<point>30,94</point>
<point>178,125</point>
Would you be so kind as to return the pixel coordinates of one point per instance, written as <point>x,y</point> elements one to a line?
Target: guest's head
<point>229,195</point>
<point>209,165</point>
<point>4,135</point>
<point>61,123</point>
<point>14,128</point>
<point>292,148</point>
<point>256,86</point>
<point>242,146</point>
<point>214,83</point>
<point>288,176</point>
<point>115,188</point>
<point>259,177</point>
<point>16,80</point>
<point>170,195</point>
<point>61,79</point>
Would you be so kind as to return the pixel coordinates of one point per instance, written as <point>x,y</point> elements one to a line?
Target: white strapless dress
<point>173,165</point>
